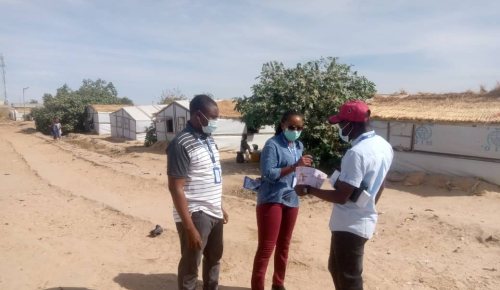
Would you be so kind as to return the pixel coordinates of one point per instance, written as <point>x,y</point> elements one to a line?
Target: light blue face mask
<point>344,138</point>
<point>210,127</point>
<point>292,135</point>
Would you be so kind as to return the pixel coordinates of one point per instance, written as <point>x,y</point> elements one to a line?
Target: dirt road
<point>74,217</point>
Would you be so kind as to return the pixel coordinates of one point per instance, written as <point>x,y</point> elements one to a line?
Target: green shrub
<point>317,89</point>
<point>69,106</point>
<point>151,136</point>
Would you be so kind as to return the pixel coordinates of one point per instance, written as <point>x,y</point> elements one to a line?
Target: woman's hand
<point>305,160</point>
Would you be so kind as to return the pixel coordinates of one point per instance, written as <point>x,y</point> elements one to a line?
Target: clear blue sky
<point>145,47</point>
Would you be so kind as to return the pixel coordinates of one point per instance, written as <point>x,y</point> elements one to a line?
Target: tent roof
<point>183,103</point>
<point>107,108</point>
<point>144,113</point>
<point>26,105</point>
<point>444,108</point>
<point>226,108</point>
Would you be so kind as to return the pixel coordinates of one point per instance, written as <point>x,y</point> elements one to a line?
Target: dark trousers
<point>275,223</point>
<point>210,229</point>
<point>346,260</point>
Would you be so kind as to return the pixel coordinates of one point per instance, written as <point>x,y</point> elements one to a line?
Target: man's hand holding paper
<point>310,176</point>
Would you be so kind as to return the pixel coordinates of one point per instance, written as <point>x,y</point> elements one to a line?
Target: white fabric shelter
<point>173,119</point>
<point>132,122</point>
<point>98,118</point>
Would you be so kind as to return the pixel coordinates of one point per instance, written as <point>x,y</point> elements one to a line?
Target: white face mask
<point>344,138</point>
<point>210,127</point>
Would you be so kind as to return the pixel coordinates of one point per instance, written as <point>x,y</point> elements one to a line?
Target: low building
<point>453,134</point>
<point>17,111</point>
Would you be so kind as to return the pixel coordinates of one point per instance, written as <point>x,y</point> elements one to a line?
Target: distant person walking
<point>56,129</point>
<point>277,202</point>
<point>195,184</point>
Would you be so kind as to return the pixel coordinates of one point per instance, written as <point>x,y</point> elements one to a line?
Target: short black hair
<point>285,118</point>
<point>200,103</point>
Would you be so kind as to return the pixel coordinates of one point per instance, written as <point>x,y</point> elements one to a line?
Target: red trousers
<point>275,223</point>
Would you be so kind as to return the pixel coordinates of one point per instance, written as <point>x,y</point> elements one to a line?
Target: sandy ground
<point>76,213</point>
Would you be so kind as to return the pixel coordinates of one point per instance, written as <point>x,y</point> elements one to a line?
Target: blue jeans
<point>211,230</point>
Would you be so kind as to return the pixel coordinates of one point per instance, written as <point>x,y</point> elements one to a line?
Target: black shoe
<point>156,232</point>
<point>275,287</point>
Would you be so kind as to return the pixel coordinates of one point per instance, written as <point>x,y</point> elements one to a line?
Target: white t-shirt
<point>367,162</point>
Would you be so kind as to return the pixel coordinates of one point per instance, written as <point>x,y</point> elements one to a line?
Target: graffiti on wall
<point>423,135</point>
<point>492,141</point>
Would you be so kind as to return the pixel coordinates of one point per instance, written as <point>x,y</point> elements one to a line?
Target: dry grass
<point>467,107</point>
<point>226,109</point>
<point>108,108</point>
<point>4,112</point>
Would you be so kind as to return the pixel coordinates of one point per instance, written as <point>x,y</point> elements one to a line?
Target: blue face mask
<point>344,138</point>
<point>292,135</point>
<point>210,127</point>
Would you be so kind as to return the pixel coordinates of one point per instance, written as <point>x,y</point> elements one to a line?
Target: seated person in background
<point>244,147</point>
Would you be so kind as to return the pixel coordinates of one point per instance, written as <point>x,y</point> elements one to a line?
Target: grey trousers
<point>346,260</point>
<point>211,230</point>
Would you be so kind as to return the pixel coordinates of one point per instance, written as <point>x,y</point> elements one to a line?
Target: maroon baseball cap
<point>352,111</point>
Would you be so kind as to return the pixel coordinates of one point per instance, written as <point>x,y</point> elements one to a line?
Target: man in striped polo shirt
<point>195,183</point>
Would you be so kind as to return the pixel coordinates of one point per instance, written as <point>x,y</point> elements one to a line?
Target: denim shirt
<point>276,155</point>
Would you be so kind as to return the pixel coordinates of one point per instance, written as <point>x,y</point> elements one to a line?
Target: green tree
<point>125,101</point>
<point>69,106</point>
<point>169,96</point>
<point>317,89</point>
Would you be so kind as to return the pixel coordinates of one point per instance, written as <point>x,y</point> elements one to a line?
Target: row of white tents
<point>20,111</point>
<point>132,122</point>
<point>452,135</point>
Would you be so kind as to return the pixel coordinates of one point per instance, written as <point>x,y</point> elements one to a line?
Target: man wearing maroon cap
<point>356,190</point>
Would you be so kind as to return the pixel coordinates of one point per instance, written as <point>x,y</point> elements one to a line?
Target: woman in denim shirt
<point>277,202</point>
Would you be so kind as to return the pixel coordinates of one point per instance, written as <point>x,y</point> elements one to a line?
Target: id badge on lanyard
<point>296,158</point>
<point>216,169</point>
<point>217,175</point>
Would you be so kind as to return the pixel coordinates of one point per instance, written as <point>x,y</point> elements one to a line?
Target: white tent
<point>132,122</point>
<point>98,120</point>
<point>173,119</point>
<point>443,134</point>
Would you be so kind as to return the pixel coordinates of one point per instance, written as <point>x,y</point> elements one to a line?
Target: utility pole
<point>24,104</point>
<point>2,64</point>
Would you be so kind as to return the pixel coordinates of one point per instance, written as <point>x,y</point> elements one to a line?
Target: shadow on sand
<point>426,190</point>
<point>68,288</point>
<point>230,166</point>
<point>137,281</point>
<point>28,131</point>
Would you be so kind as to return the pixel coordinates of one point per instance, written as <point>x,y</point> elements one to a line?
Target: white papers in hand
<point>310,176</point>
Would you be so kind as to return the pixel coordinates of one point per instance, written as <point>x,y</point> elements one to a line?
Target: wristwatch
<point>305,189</point>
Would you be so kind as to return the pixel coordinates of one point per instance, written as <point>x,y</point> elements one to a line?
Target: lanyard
<point>294,152</point>
<point>208,148</point>
<point>365,137</point>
